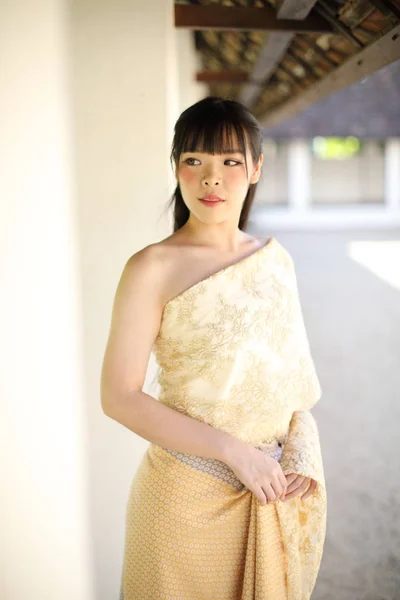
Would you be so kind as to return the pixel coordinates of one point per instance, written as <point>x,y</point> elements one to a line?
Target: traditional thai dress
<point>233,352</point>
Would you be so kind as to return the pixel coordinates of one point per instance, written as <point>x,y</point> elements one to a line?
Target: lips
<point>212,198</point>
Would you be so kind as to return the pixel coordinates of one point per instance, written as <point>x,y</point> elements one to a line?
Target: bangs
<point>212,134</point>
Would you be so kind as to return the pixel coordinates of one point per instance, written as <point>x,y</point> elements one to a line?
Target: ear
<point>257,170</point>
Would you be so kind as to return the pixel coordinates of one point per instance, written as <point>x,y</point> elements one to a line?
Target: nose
<point>211,179</point>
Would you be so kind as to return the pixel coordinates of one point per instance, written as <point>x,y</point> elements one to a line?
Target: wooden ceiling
<point>279,57</point>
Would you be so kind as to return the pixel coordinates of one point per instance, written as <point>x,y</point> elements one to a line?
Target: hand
<point>298,483</point>
<point>260,473</point>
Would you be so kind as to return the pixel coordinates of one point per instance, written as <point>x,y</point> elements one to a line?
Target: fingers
<point>310,490</point>
<point>295,483</point>
<point>272,492</point>
<point>276,489</point>
<point>296,489</point>
<point>269,492</point>
<point>291,477</point>
<point>284,487</point>
<point>284,484</point>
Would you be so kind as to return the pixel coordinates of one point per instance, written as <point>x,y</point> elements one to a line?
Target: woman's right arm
<point>135,322</point>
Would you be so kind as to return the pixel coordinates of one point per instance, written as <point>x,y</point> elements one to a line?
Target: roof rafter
<point>371,58</point>
<point>274,48</point>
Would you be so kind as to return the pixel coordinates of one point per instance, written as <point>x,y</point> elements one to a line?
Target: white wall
<point>359,179</point>
<point>43,430</point>
<point>188,60</point>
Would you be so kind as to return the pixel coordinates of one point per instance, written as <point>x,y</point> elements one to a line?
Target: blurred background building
<point>349,148</point>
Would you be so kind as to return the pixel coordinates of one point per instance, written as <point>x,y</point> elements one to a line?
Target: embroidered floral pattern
<point>233,349</point>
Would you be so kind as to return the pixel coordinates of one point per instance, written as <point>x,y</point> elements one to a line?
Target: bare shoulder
<point>148,260</point>
<point>149,268</point>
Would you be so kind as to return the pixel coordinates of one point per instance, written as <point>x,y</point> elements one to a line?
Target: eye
<point>237,162</point>
<point>228,160</point>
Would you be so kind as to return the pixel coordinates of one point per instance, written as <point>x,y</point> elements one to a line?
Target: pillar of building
<point>299,175</point>
<point>45,532</point>
<point>392,175</point>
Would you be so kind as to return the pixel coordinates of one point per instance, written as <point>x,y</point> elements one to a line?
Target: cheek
<point>237,177</point>
<point>187,176</point>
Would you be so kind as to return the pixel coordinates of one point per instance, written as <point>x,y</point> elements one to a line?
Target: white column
<point>392,175</point>
<point>44,512</point>
<point>267,185</point>
<point>124,79</point>
<point>299,175</point>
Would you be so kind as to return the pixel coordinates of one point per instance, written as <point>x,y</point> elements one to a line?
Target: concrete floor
<point>353,323</point>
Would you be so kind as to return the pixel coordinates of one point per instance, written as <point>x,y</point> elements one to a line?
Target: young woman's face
<point>222,175</point>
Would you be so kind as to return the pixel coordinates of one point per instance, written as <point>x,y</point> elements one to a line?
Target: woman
<point>229,500</point>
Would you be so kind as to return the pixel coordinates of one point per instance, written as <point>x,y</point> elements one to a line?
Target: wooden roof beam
<point>377,55</point>
<point>231,76</point>
<point>275,47</point>
<point>240,18</point>
<point>267,61</point>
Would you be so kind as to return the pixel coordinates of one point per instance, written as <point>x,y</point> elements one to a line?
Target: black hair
<point>210,126</point>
